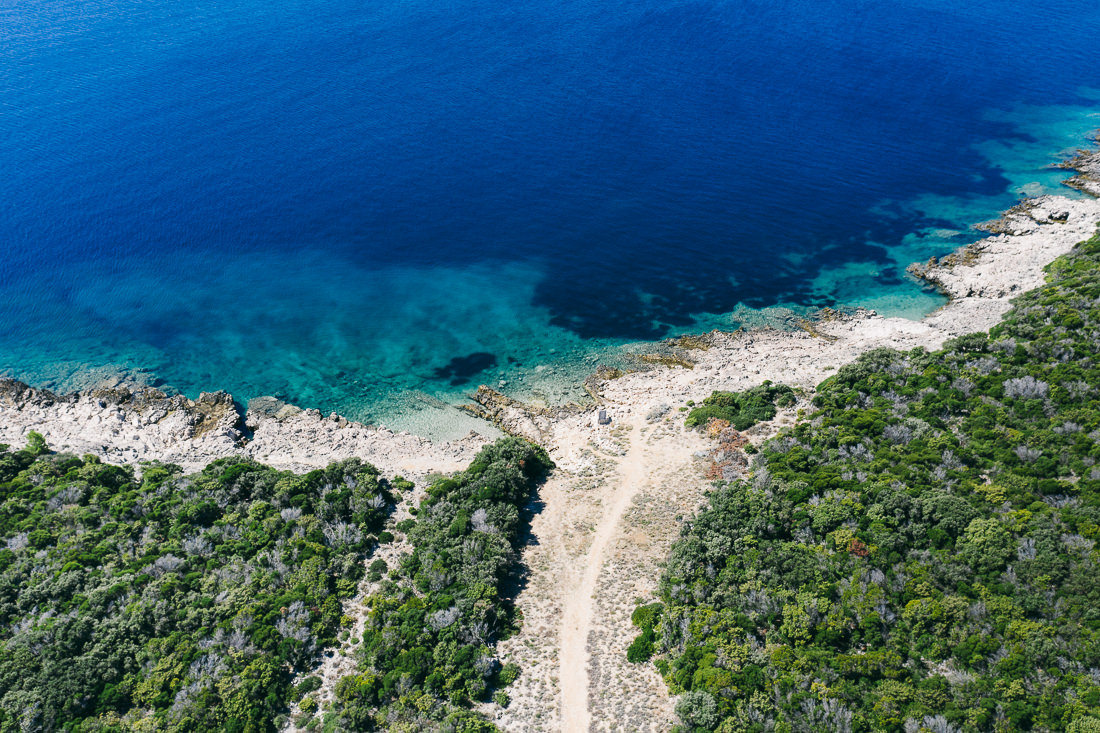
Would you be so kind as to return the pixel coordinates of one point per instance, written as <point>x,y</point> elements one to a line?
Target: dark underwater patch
<point>462,369</point>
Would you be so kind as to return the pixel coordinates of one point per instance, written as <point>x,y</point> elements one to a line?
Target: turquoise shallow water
<point>373,209</point>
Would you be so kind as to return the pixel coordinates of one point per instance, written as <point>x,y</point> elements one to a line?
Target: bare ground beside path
<point>611,511</point>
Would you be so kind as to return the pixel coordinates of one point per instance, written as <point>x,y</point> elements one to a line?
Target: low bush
<point>742,409</point>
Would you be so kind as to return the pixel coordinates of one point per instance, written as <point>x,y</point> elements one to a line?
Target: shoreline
<point>131,425</point>
<point>979,280</point>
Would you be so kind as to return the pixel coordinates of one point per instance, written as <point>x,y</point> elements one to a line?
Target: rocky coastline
<point>136,424</point>
<point>132,425</point>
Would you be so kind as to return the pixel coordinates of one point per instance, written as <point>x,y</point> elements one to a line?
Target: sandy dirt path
<point>610,511</point>
<point>579,604</point>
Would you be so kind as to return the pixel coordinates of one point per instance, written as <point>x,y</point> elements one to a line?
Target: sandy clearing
<point>611,510</point>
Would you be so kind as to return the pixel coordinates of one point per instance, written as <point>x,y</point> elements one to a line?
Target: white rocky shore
<point>132,425</point>
<point>980,281</point>
<point>613,506</point>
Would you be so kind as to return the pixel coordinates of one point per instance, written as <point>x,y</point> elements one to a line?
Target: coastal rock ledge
<point>124,425</point>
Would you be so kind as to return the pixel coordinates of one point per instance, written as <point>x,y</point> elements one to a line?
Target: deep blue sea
<point>371,207</point>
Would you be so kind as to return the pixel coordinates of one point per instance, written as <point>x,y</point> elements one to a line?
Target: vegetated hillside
<point>188,603</point>
<point>428,644</point>
<point>171,602</point>
<point>918,554</point>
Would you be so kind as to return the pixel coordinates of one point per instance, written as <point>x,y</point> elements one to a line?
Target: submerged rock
<point>462,369</point>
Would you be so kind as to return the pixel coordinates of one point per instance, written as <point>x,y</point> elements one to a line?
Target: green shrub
<point>646,617</point>
<point>508,674</point>
<point>641,649</point>
<point>742,409</point>
<point>698,710</point>
<point>306,686</point>
<point>377,569</point>
<point>435,621</point>
<point>36,444</point>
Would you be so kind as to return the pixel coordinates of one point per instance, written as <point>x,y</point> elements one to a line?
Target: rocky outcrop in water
<point>1086,166</point>
<point>513,416</point>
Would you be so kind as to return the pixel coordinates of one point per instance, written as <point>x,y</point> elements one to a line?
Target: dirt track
<point>610,512</point>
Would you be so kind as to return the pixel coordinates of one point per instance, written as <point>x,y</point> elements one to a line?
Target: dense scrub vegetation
<point>742,409</point>
<point>427,648</point>
<point>188,603</point>
<point>919,554</point>
<point>171,602</point>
